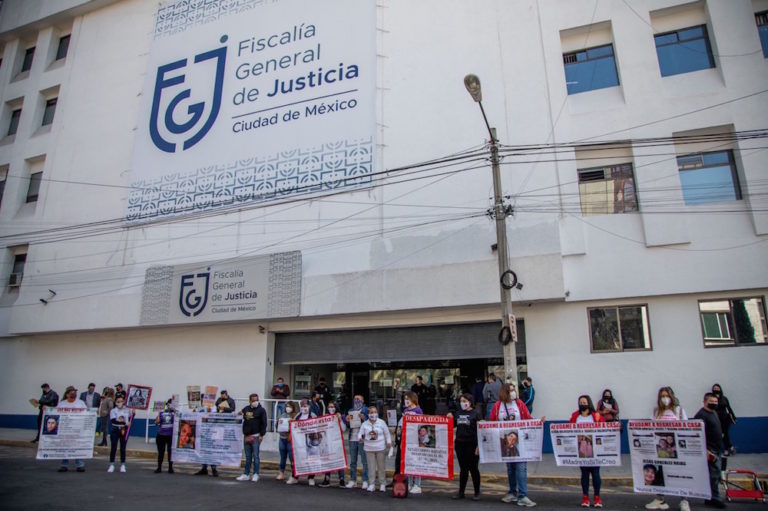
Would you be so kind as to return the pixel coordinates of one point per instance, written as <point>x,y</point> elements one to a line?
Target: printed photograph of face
<point>186,438</point>
<point>427,436</point>
<point>509,444</point>
<point>51,425</point>
<point>665,445</point>
<point>653,475</point>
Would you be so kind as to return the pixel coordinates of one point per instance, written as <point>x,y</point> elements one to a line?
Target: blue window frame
<point>684,51</point>
<point>761,18</point>
<point>708,177</point>
<point>590,69</point>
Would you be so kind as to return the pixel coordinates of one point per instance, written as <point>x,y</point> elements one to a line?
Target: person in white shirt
<point>667,409</point>
<point>120,418</point>
<point>71,402</point>
<point>374,434</point>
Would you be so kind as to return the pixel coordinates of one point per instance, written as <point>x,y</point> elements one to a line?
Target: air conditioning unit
<point>15,279</point>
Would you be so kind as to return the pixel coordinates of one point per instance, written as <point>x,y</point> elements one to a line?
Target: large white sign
<point>586,444</point>
<point>66,433</point>
<point>669,458</point>
<point>317,446</point>
<point>427,446</point>
<point>252,100</point>
<point>210,438</point>
<point>509,441</point>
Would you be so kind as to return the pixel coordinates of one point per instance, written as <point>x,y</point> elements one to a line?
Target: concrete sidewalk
<point>541,472</point>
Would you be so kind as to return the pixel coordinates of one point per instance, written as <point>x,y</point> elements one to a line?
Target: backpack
<point>400,486</point>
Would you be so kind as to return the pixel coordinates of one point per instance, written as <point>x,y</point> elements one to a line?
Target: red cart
<point>742,484</point>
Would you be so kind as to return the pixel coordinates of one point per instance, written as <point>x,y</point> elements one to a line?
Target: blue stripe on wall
<point>748,435</point>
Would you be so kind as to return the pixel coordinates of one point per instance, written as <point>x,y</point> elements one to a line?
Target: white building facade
<point>143,244</point>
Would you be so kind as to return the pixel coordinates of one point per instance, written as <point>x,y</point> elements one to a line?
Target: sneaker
<point>365,485</point>
<point>372,487</point>
<point>325,483</point>
<point>352,484</point>
<point>202,472</point>
<point>158,470</point>
<point>457,496</point>
<point>63,469</point>
<point>383,487</point>
<point>342,484</point>
<point>416,489</point>
<point>255,478</point>
<point>598,501</point>
<point>525,502</point>
<point>111,468</point>
<point>280,476</point>
<point>292,480</point>
<point>82,469</point>
<point>242,477</point>
<point>509,497</point>
<point>312,482</point>
<point>657,504</point>
<point>585,501</point>
<point>684,505</point>
<point>122,468</point>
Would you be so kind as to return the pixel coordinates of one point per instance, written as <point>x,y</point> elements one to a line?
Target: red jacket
<point>524,413</point>
<point>595,417</point>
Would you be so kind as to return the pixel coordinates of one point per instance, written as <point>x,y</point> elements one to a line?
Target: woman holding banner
<point>466,450</point>
<point>587,414</point>
<point>374,434</point>
<point>667,409</point>
<point>412,407</point>
<point>164,437</point>
<point>510,408</point>
<point>326,482</point>
<point>120,417</point>
<point>284,445</point>
<point>304,414</point>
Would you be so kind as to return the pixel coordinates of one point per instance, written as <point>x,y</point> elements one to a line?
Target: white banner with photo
<point>318,446</point>
<point>586,444</point>
<point>208,438</point>
<point>669,458</point>
<point>509,441</point>
<point>427,446</point>
<point>67,433</point>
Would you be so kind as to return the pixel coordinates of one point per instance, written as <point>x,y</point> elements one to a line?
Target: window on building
<point>762,28</point>
<point>29,55</point>
<point>734,322</point>
<point>621,328</point>
<point>13,126</point>
<point>17,272</point>
<point>590,69</point>
<point>50,110</point>
<point>684,51</point>
<point>708,177</point>
<point>607,190</point>
<point>61,51</point>
<point>34,186</point>
<point>3,178</point>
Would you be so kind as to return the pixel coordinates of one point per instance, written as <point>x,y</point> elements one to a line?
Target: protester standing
<point>164,437</point>
<point>120,418</point>
<point>225,404</point>
<point>491,393</point>
<point>316,404</point>
<point>714,439</point>
<point>726,416</point>
<point>284,442</point>
<point>411,408</point>
<point>608,407</point>
<point>587,414</point>
<point>465,446</point>
<point>510,408</point>
<point>281,392</point>
<point>326,482</point>
<point>305,412</point>
<point>204,467</point>
<point>374,434</point>
<point>667,409</point>
<point>105,406</point>
<point>354,419</point>
<point>91,398</point>
<point>119,391</point>
<point>528,393</point>
<point>254,429</point>
<point>325,392</point>
<point>48,398</point>
<point>71,402</point>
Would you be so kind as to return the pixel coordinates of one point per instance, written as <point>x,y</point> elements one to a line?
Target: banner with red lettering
<point>427,446</point>
<point>509,441</point>
<point>596,444</point>
<point>317,445</point>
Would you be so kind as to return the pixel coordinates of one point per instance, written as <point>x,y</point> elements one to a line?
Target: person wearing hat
<point>71,401</point>
<point>120,391</point>
<point>48,398</point>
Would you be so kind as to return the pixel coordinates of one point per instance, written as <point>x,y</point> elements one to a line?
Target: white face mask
<point>513,395</point>
<point>255,404</point>
<point>332,411</point>
<point>289,409</point>
<point>666,401</point>
<point>465,405</point>
<point>305,411</point>
<point>407,403</point>
<point>373,416</point>
<point>120,405</point>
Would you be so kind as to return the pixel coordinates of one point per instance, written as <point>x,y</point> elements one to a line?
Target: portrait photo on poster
<point>186,438</point>
<point>51,425</point>
<point>509,443</point>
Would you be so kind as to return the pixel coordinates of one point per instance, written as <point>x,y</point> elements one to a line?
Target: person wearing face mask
<point>164,438</point>
<point>667,409</point>
<point>465,446</point>
<point>411,402</point>
<point>326,482</point>
<point>284,442</point>
<point>71,401</point>
<point>510,408</point>
<point>254,429</point>
<point>608,407</point>
<point>726,416</point>
<point>374,434</point>
<point>714,438</point>
<point>587,414</point>
<point>120,418</point>
<point>528,394</point>
<point>305,412</point>
<point>354,419</point>
<point>280,392</point>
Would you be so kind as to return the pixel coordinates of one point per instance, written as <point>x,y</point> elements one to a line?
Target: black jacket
<point>254,420</point>
<point>49,398</point>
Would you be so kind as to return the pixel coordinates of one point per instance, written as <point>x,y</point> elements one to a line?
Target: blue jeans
<point>595,471</point>
<point>285,452</point>
<point>517,476</point>
<point>78,463</point>
<point>252,453</point>
<point>356,448</point>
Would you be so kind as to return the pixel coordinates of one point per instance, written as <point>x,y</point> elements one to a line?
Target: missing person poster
<point>210,438</point>
<point>427,446</point>
<point>509,441</point>
<point>669,458</point>
<point>193,396</point>
<point>586,444</point>
<point>317,445</point>
<point>138,397</point>
<point>209,397</point>
<point>66,433</point>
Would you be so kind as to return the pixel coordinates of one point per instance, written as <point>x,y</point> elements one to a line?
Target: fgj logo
<point>193,293</point>
<point>167,124</point>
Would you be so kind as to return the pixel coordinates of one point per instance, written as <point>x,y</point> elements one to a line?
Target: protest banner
<point>669,458</point>
<point>208,438</point>
<point>509,441</point>
<point>209,397</point>
<point>317,446</point>
<point>193,396</point>
<point>587,444</point>
<point>67,433</point>
<point>138,396</point>
<point>158,406</point>
<point>426,446</point>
